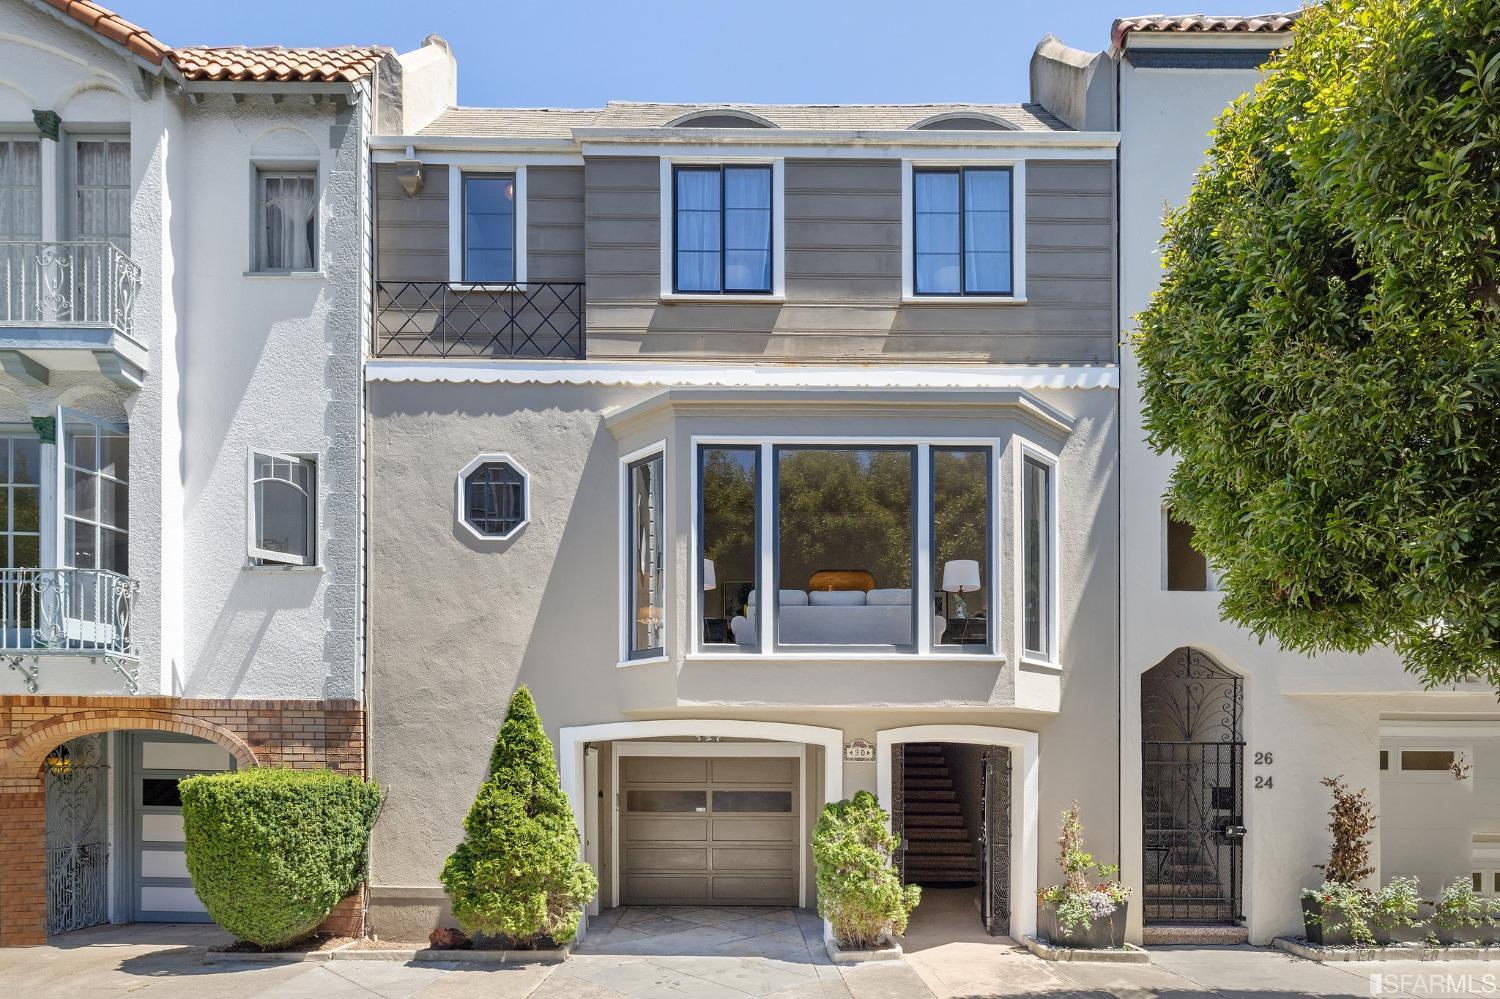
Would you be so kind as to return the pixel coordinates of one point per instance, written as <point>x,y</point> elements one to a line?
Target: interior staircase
<point>939,850</point>
<point>1184,900</point>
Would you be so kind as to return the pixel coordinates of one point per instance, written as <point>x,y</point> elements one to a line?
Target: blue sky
<point>576,53</point>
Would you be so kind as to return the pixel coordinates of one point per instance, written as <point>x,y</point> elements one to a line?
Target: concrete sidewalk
<point>164,962</point>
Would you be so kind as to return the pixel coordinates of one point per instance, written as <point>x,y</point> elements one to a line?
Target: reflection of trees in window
<point>960,508</point>
<point>729,490</point>
<point>845,509</point>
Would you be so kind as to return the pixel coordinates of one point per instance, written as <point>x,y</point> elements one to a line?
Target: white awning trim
<point>744,376</point>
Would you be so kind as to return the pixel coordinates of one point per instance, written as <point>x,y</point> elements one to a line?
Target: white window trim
<point>667,238</point>
<point>925,649</point>
<point>456,219</point>
<point>314,542</point>
<point>1395,772</point>
<point>761,750</point>
<point>283,165</point>
<point>459,499</point>
<point>1017,296</point>
<point>1026,448</point>
<point>650,450</point>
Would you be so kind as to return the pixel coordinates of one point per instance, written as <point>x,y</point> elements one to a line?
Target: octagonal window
<point>494,496</point>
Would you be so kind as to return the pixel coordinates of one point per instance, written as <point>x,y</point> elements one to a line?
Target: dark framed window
<point>962,231</point>
<point>495,499</point>
<point>722,227</point>
<point>646,576</point>
<point>729,538</point>
<point>1036,556</point>
<point>489,228</point>
<point>960,483</point>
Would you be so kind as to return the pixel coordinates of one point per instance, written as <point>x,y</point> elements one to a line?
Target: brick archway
<point>27,751</point>
<point>297,734</point>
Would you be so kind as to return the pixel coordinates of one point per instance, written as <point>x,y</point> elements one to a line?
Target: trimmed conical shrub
<point>517,874</point>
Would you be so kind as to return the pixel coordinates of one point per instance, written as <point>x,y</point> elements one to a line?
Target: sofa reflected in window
<point>837,617</point>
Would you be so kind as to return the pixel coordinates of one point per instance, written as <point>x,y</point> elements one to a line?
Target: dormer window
<point>964,123</point>
<point>720,118</point>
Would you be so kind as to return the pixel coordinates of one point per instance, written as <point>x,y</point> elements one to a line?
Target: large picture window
<point>722,229</point>
<point>841,530</point>
<point>962,231</point>
<point>646,574</point>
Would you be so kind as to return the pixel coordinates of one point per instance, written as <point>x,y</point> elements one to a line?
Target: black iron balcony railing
<point>67,612</point>
<point>538,319</point>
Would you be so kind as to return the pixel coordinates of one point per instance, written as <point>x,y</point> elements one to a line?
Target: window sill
<point>823,657</point>
<point>289,275</point>
<point>493,287</point>
<point>652,661</point>
<point>960,300</point>
<point>730,298</point>
<point>1040,665</point>
<point>282,568</point>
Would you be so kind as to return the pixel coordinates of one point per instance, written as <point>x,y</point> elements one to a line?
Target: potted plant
<point>1461,916</point>
<point>1397,916</point>
<point>859,889</point>
<point>1082,912</point>
<point>1351,818</point>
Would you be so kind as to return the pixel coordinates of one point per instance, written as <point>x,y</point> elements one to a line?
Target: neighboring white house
<point>183,300</point>
<point>1229,830</point>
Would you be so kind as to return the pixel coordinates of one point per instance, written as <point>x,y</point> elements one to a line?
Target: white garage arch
<point>573,740</point>
<point>1025,775</point>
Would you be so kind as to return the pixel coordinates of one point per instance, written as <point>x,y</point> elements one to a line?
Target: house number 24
<point>1263,759</point>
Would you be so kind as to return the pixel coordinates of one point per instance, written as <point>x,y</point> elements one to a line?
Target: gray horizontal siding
<point>554,224</point>
<point>843,274</point>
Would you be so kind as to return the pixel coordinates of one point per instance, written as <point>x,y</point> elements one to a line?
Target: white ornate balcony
<point>83,613</point>
<point>67,305</point>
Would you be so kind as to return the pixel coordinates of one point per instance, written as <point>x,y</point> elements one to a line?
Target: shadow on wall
<point>233,644</point>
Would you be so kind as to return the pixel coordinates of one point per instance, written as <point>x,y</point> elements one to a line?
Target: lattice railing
<point>538,319</point>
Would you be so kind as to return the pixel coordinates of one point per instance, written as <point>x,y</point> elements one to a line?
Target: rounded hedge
<point>271,852</point>
<point>859,889</point>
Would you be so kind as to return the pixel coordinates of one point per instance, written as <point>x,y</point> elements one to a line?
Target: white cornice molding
<point>770,376</point>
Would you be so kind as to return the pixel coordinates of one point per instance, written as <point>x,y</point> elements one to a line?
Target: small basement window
<point>1427,760</point>
<point>493,497</point>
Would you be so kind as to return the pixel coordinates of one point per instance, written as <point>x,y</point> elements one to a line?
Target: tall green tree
<point>517,874</point>
<point>1323,352</point>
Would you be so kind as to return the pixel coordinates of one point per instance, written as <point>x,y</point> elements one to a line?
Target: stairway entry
<point>951,809</point>
<point>1192,788</point>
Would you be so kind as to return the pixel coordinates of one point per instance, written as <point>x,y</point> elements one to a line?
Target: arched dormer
<point>720,118</point>
<point>965,121</point>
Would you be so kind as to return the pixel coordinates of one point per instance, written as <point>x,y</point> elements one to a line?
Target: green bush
<point>271,852</point>
<point>517,874</point>
<point>859,890</point>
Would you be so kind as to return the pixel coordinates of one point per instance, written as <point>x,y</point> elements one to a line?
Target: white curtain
<point>20,189</point>
<point>290,220</point>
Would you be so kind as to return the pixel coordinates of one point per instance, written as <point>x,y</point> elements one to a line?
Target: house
<point>774,448</point>
<point>1224,740</point>
<point>182,303</point>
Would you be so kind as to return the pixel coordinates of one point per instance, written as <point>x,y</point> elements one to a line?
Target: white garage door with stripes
<point>709,830</point>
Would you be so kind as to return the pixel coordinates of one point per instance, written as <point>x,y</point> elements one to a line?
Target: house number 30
<point>1263,759</point>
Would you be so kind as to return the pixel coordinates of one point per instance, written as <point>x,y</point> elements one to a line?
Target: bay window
<point>646,574</point>
<point>1036,557</point>
<point>880,547</point>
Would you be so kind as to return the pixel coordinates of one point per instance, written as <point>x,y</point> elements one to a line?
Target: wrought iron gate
<point>994,806</point>
<point>77,847</point>
<point>1192,766</point>
<point>898,806</point>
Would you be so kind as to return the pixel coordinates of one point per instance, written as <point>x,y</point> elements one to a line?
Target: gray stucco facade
<point>840,353</point>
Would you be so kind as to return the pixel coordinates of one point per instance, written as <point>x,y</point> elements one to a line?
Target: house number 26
<point>1263,759</point>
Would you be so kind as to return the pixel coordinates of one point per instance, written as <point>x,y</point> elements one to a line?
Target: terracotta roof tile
<point>112,26</point>
<point>341,64</point>
<point>1248,23</point>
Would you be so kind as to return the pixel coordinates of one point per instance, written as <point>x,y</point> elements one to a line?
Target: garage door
<point>162,890</point>
<point>708,830</point>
